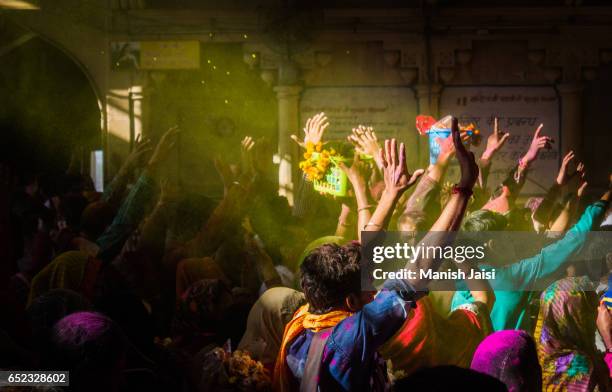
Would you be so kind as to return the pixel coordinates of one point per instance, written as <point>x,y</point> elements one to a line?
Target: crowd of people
<point>150,287</point>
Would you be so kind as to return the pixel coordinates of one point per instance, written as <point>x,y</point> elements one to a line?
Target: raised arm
<point>357,175</point>
<point>397,180</point>
<point>115,190</point>
<point>551,260</point>
<point>344,221</point>
<point>510,188</point>
<point>313,135</point>
<point>366,143</point>
<point>452,214</point>
<point>423,205</point>
<point>565,217</point>
<point>135,205</point>
<point>495,142</point>
<point>538,143</point>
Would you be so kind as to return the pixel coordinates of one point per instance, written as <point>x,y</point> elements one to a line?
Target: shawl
<point>565,337</point>
<point>301,321</point>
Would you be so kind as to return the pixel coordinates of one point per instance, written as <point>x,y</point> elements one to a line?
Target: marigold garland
<point>244,372</point>
<point>316,161</point>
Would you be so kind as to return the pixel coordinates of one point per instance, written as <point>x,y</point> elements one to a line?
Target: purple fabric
<point>511,357</point>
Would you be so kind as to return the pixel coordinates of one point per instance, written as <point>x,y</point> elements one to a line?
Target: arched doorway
<point>48,107</point>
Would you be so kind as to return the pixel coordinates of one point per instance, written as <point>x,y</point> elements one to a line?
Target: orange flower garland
<point>316,161</point>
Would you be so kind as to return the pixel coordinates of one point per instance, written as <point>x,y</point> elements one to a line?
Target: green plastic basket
<point>334,181</point>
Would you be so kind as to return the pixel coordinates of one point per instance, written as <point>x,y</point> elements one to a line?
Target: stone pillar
<point>571,117</point>
<point>288,124</point>
<point>428,97</point>
<point>124,117</point>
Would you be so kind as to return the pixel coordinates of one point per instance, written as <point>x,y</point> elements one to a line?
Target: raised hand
<point>395,173</point>
<point>581,189</point>
<point>313,131</point>
<point>142,149</point>
<point>365,140</point>
<point>495,141</point>
<point>357,173</point>
<point>246,155</point>
<point>467,162</point>
<point>169,192</point>
<point>563,177</point>
<point>537,143</point>
<point>163,148</point>
<point>447,148</point>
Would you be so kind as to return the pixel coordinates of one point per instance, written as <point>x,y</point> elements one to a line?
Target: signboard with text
<point>519,111</point>
<point>390,110</point>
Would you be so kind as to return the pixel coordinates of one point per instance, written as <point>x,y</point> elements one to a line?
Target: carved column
<point>288,97</point>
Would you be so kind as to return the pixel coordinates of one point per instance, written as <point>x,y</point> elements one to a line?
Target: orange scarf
<point>301,321</point>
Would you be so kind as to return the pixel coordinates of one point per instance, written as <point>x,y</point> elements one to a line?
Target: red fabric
<point>423,123</point>
<point>428,339</point>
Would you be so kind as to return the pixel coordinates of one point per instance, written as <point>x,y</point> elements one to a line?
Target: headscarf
<point>302,320</point>
<point>428,339</point>
<point>511,357</point>
<point>50,307</point>
<point>565,337</point>
<point>72,270</point>
<point>266,323</point>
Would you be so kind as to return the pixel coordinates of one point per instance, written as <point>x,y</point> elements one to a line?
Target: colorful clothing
<point>511,357</point>
<point>565,338</point>
<point>129,216</point>
<point>350,355</point>
<point>513,300</point>
<point>427,339</point>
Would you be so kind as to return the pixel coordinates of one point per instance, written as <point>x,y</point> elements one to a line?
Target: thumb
<point>295,139</point>
<point>415,176</point>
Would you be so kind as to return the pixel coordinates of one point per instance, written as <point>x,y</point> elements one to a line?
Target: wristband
<point>364,208</point>
<point>462,190</point>
<point>522,164</point>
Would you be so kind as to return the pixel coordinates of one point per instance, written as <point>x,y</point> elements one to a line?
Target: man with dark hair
<point>330,275</point>
<point>332,342</point>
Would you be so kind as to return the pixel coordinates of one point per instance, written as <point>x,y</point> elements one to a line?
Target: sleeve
<point>554,257</point>
<point>128,217</point>
<point>356,339</point>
